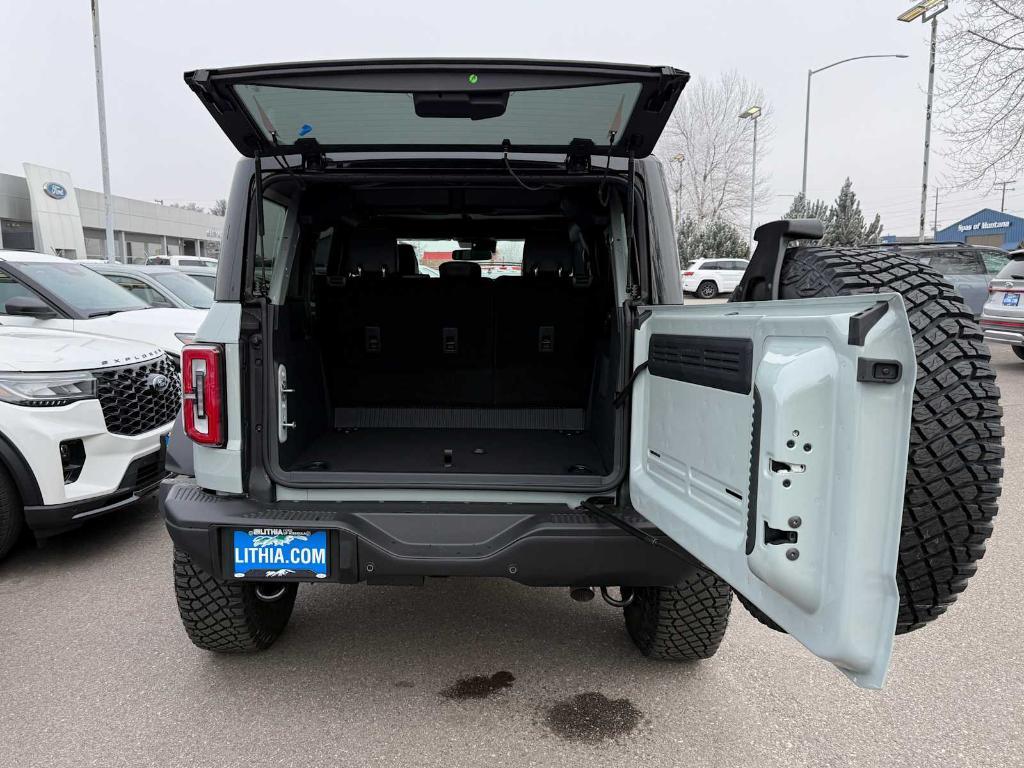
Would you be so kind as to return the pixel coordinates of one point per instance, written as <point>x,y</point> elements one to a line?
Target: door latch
<point>283,390</point>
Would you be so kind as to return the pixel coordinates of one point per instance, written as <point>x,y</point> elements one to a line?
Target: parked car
<point>41,291</point>
<point>573,425</point>
<point>82,422</point>
<point>158,286</point>
<point>967,267</point>
<point>709,277</point>
<point>205,275</point>
<point>1002,318</point>
<point>177,260</point>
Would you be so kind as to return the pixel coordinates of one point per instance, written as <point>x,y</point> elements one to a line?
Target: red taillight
<point>687,274</point>
<point>205,412</point>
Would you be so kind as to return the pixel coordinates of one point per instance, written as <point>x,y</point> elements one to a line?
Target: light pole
<point>807,112</point>
<point>678,160</point>
<point>102,110</point>
<point>927,10</point>
<point>752,113</point>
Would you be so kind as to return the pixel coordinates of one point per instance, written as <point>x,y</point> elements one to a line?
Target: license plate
<point>279,553</point>
<point>1011,299</point>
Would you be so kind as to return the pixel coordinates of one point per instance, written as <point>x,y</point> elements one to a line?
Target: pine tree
<point>713,239</point>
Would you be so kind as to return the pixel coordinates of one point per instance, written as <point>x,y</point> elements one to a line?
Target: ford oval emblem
<point>157,382</point>
<point>55,190</point>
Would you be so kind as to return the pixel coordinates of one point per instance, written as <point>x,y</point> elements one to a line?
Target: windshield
<point>210,281</point>
<point>80,288</point>
<point>506,260</point>
<point>553,116</point>
<point>189,290</point>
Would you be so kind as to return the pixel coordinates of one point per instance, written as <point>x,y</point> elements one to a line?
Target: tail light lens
<point>687,274</point>
<point>205,410</point>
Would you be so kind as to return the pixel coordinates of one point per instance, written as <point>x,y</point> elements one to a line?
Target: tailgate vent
<point>710,361</point>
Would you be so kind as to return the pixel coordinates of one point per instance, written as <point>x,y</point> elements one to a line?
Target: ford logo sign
<point>55,190</point>
<point>157,382</point>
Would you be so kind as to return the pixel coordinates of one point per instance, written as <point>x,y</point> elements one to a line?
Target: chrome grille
<point>131,405</point>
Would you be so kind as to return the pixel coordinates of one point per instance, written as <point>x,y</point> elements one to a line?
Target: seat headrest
<point>371,252</point>
<point>459,269</point>
<point>407,262</point>
<point>549,254</point>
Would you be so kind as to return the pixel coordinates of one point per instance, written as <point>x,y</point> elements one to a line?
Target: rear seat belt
<point>621,396</point>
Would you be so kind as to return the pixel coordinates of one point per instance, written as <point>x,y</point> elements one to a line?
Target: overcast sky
<point>867,117</point>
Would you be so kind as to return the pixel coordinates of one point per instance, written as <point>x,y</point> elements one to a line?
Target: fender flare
<point>21,473</point>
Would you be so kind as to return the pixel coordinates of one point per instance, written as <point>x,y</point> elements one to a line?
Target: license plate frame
<point>264,553</point>
<point>1008,296</point>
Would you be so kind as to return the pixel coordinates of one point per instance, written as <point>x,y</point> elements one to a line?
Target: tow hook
<point>625,597</point>
<point>268,593</point>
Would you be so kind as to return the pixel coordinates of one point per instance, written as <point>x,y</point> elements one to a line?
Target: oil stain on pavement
<point>479,686</point>
<point>592,717</point>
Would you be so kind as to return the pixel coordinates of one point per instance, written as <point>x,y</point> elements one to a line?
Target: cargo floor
<point>472,451</point>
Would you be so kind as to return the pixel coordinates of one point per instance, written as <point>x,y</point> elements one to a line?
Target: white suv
<point>82,419</point>
<point>41,291</point>
<point>709,277</point>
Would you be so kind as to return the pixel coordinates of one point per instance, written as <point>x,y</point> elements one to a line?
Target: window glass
<point>210,281</point>
<point>189,290</point>
<point>136,287</point>
<point>506,261</point>
<point>79,287</point>
<point>950,262</point>
<point>714,266</point>
<point>322,252</point>
<point>11,289</point>
<point>1013,270</point>
<point>191,263</point>
<point>994,260</point>
<point>274,217</point>
<point>17,235</point>
<point>544,117</point>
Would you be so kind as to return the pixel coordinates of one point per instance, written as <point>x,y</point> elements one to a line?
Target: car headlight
<point>185,338</point>
<point>46,389</point>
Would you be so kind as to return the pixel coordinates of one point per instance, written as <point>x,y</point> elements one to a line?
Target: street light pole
<point>102,110</point>
<point>807,111</point>
<point>926,10</point>
<point>752,113</point>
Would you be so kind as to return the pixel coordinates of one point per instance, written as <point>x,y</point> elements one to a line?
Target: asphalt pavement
<point>96,670</point>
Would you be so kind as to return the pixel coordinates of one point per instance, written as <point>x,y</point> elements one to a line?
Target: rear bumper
<point>141,478</point>
<point>401,543</point>
<point>1000,330</point>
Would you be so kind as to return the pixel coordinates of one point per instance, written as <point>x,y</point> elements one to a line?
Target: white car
<point>40,291</point>
<point>82,420</point>
<point>709,277</point>
<point>158,286</point>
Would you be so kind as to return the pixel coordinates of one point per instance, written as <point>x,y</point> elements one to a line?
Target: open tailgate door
<point>440,104</point>
<point>770,441</point>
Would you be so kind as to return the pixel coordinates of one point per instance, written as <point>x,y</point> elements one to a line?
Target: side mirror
<point>29,306</point>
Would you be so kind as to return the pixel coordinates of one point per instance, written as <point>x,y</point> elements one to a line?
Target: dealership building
<point>43,211</point>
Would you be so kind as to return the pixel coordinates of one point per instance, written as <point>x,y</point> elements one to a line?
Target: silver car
<point>1002,318</point>
<point>157,286</point>
<point>968,267</point>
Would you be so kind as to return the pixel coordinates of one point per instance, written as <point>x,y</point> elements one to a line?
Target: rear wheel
<point>707,289</point>
<point>1018,351</point>
<point>229,617</point>
<point>12,518</point>
<point>682,623</point>
<point>955,460</point>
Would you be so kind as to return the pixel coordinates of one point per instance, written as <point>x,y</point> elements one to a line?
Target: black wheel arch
<point>21,472</point>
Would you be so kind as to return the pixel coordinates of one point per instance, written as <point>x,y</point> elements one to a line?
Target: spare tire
<point>955,460</point>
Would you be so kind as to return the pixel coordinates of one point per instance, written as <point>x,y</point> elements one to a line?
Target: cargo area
<point>496,367</point>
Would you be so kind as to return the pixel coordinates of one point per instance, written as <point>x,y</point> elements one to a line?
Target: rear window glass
<point>506,261</point>
<point>1013,270</point>
<point>549,117</point>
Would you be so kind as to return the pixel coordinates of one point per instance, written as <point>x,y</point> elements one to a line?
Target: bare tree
<point>220,207</point>
<point>981,90</point>
<point>708,150</point>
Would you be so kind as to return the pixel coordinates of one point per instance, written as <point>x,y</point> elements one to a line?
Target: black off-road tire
<point>12,513</point>
<point>708,289</point>
<point>682,623</point>
<point>955,460</point>
<point>1018,351</point>
<point>228,617</point>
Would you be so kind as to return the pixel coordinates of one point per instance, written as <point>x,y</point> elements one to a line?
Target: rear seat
<point>542,339</point>
<point>460,340</point>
